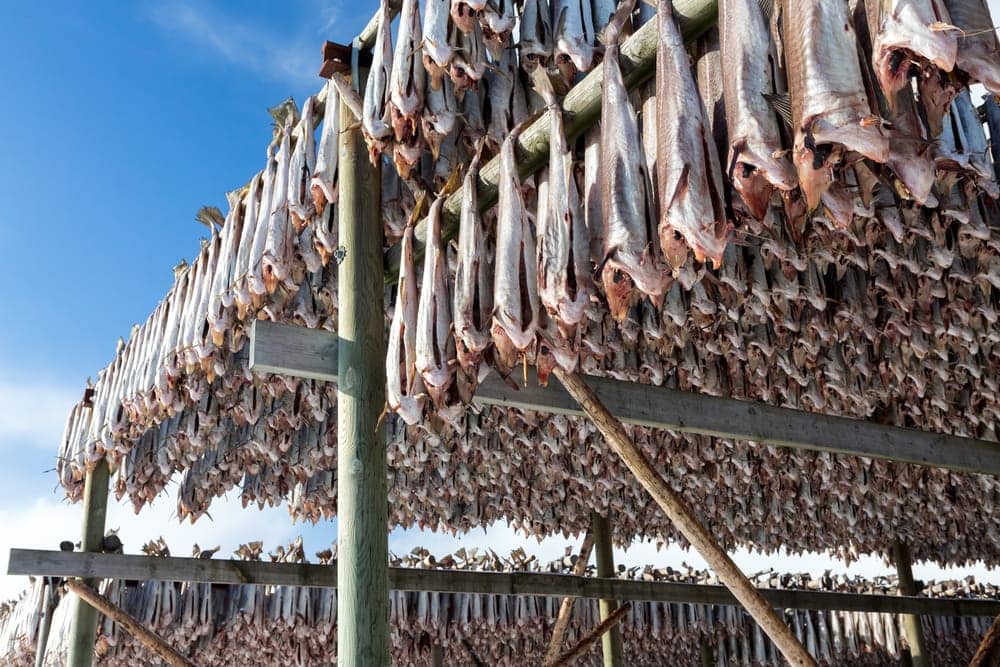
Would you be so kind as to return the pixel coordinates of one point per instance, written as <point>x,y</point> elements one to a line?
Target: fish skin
<point>404,388</point>
<point>535,44</point>
<point>323,186</point>
<point>903,37</point>
<point>376,122</point>
<point>465,13</point>
<point>688,177</point>
<point>437,51</point>
<point>911,156</point>
<point>978,49</point>
<point>515,284</point>
<point>255,280</point>
<point>435,345</point>
<point>564,282</point>
<point>754,137</point>
<point>300,169</point>
<point>827,92</point>
<point>406,82</point>
<point>220,312</point>
<point>469,64</point>
<point>276,260</point>
<point>630,258</point>
<point>473,281</point>
<point>574,45</point>
<point>497,21</point>
<point>440,116</point>
<point>508,106</point>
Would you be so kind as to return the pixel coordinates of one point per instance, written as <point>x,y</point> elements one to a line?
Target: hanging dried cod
<point>535,35</point>
<point>574,37</point>
<point>630,258</point>
<point>323,186</point>
<point>473,286</point>
<point>497,20</point>
<point>757,162</point>
<point>435,345</point>
<point>376,123</point>
<point>977,43</point>
<point>831,115</point>
<point>406,89</point>
<point>564,273</point>
<point>692,209</point>
<point>437,51</point>
<point>276,262</point>
<point>910,35</point>
<point>465,13</point>
<point>515,288</point>
<point>404,389</point>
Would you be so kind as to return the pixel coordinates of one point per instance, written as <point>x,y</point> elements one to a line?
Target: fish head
<point>620,291</point>
<point>754,189</point>
<point>675,248</point>
<point>545,363</point>
<point>405,157</point>
<point>464,16</point>
<point>815,175</point>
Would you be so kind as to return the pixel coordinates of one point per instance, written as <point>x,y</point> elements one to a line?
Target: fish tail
<point>612,32</point>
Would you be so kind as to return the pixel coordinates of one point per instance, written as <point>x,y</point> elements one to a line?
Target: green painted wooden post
<point>362,502</point>
<point>95,511</point>
<point>919,655</point>
<point>612,639</point>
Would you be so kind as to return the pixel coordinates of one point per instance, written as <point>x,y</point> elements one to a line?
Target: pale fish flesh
<point>404,387</point>
<point>574,36</point>
<point>323,186</point>
<point>910,34</point>
<point>435,344</point>
<point>437,51</point>
<point>406,87</point>
<point>376,122</point>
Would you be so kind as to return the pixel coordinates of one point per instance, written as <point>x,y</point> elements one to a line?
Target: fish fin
<point>600,265</point>
<point>782,103</point>
<point>560,20</point>
<point>767,7</point>
<point>210,216</point>
<point>613,30</point>
<point>682,185</point>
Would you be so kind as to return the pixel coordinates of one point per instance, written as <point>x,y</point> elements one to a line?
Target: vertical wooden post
<point>50,599</point>
<point>707,658</point>
<point>911,622</point>
<point>362,502</point>
<point>437,656</point>
<point>612,639</point>
<point>95,510</point>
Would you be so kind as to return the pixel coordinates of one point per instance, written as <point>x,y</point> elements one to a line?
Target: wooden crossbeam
<point>143,568</point>
<point>312,353</point>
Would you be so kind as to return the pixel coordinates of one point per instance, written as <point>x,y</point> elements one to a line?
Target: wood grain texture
<point>143,568</point>
<point>912,630</point>
<point>566,607</point>
<point>362,496</point>
<point>129,623</point>
<point>686,412</point>
<point>95,510</point>
<point>611,641</point>
<point>684,519</point>
<point>581,110</point>
<point>601,631</point>
<point>988,653</point>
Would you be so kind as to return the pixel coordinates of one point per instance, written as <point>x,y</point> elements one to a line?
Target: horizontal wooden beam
<point>291,350</point>
<point>145,568</point>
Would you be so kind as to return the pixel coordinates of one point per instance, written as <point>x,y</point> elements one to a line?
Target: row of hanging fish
<point>286,625</point>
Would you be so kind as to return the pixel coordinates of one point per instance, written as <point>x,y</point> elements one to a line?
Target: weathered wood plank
<point>581,110</point>
<point>662,408</point>
<point>143,568</point>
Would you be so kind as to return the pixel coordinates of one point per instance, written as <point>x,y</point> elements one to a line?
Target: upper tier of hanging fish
<point>293,625</point>
<point>880,303</point>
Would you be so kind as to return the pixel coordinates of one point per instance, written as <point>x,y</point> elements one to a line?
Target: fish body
<point>535,44</point>
<point>435,345</point>
<point>978,51</point>
<point>630,258</point>
<point>465,13</point>
<point>692,209</point>
<point>469,64</point>
<point>406,89</point>
<point>323,186</point>
<point>403,388</point>
<point>508,106</point>
<point>574,36</point>
<point>300,169</point>
<point>497,21</point>
<point>276,260</point>
<point>905,36</point>
<point>911,156</point>
<point>440,117</point>
<point>376,122</point>
<point>515,284</point>
<point>473,281</point>
<point>754,137</point>
<point>220,314</point>
<point>830,110</point>
<point>437,51</point>
<point>564,283</point>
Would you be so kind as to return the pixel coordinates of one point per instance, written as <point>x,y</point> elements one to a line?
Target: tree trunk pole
<point>988,653</point>
<point>437,656</point>
<point>95,510</point>
<point>124,620</point>
<point>611,641</point>
<point>911,622</point>
<point>591,637</point>
<point>51,599</point>
<point>566,608</point>
<point>362,502</point>
<point>685,520</point>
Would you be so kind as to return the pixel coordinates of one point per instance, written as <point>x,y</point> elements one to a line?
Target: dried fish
<point>406,89</point>
<point>440,116</point>
<point>469,64</point>
<point>324,179</point>
<point>535,42</point>
<point>756,159</point>
<point>497,21</point>
<point>276,262</point>
<point>377,122</point>
<point>507,104</point>
<point>977,43</point>
<point>404,388</point>
<point>515,285</point>
<point>630,258</point>
<point>831,115</point>
<point>574,37</point>
<point>465,13</point>
<point>907,34</point>
<point>435,344</point>
<point>692,210</point>
<point>437,51</point>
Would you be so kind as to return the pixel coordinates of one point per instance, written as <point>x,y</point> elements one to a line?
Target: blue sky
<point>122,120</point>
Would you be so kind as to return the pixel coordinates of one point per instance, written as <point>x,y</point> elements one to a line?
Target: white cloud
<point>35,413</point>
<point>282,58</point>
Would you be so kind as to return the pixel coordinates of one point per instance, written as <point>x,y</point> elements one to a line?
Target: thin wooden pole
<point>362,501</point>
<point>566,608</point>
<point>95,510</point>
<point>988,653</point>
<point>612,640</point>
<point>591,637</point>
<point>707,657</point>
<point>437,656</point>
<point>152,641</point>
<point>911,623</point>
<point>685,520</point>
<point>51,599</point>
